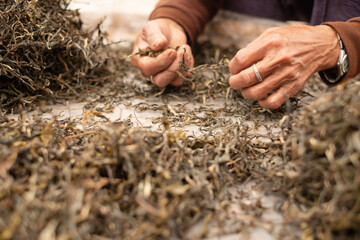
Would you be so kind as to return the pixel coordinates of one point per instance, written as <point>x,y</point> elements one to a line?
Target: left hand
<point>286,57</point>
<point>157,35</point>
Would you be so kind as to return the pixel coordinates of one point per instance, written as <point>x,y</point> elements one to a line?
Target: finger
<point>278,77</point>
<point>247,77</point>
<point>247,56</point>
<point>164,78</point>
<point>186,58</point>
<point>151,66</point>
<point>139,44</point>
<point>154,37</point>
<point>276,99</point>
<point>263,89</point>
<point>177,82</point>
<point>170,75</point>
<point>150,37</point>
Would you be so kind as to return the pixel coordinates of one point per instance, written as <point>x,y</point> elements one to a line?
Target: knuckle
<point>281,60</point>
<point>274,103</point>
<point>277,39</point>
<point>262,93</point>
<point>291,75</point>
<point>285,58</point>
<point>248,93</point>
<point>264,67</point>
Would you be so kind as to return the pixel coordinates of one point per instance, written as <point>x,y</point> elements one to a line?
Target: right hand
<point>157,35</point>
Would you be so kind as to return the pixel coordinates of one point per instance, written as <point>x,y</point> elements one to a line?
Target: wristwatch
<point>336,74</point>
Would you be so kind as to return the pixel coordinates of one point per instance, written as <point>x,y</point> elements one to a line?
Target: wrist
<point>335,74</point>
<point>331,47</point>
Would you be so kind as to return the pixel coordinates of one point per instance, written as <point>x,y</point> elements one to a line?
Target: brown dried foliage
<point>321,176</point>
<point>112,180</point>
<point>116,181</point>
<point>43,52</point>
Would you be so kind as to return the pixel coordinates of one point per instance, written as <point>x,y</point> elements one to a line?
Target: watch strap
<point>336,74</point>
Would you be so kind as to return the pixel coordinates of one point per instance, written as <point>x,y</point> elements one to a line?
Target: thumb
<point>155,38</point>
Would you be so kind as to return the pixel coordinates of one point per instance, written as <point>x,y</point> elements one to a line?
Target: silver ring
<point>257,74</point>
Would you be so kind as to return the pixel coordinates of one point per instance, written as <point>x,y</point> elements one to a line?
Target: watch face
<point>343,63</point>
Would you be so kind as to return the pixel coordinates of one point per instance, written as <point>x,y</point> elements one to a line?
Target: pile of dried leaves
<point>321,176</point>
<point>90,178</point>
<point>43,52</point>
<point>98,179</point>
<point>79,178</point>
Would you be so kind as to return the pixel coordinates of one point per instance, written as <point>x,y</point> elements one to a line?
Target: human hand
<point>157,35</point>
<point>286,57</point>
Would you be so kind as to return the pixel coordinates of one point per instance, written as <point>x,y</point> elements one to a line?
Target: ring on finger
<point>257,74</point>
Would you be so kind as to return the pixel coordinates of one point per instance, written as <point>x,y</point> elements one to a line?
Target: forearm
<point>350,35</point>
<point>192,15</point>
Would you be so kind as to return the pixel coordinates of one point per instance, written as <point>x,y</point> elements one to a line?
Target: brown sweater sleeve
<point>192,15</point>
<point>350,35</point>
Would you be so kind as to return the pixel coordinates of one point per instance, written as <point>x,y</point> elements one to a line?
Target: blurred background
<point>123,19</point>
